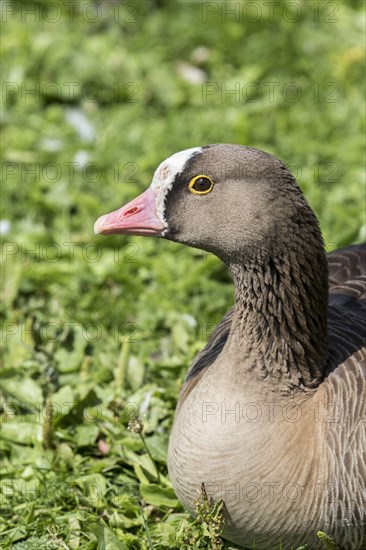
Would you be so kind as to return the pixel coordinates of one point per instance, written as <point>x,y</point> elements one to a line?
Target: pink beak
<point>138,217</point>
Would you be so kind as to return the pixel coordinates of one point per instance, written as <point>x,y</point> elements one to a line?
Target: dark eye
<point>201,185</point>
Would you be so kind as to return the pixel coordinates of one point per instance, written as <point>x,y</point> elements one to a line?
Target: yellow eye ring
<point>201,185</point>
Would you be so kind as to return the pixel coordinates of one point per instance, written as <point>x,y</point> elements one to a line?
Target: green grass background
<point>104,328</point>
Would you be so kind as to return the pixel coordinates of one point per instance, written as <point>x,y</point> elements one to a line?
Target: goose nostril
<point>131,211</point>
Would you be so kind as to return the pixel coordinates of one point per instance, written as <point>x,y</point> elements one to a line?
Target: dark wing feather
<point>347,268</point>
<point>214,346</point>
<point>346,314</point>
<point>347,303</point>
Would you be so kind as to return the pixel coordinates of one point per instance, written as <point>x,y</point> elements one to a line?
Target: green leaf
<point>107,540</point>
<point>69,361</point>
<point>25,390</point>
<point>159,496</point>
<point>62,402</point>
<point>94,488</point>
<point>74,527</point>
<point>86,434</point>
<point>21,432</point>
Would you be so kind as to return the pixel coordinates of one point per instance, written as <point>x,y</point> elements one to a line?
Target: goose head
<point>231,200</point>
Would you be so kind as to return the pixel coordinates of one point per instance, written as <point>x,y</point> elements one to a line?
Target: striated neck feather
<point>279,327</point>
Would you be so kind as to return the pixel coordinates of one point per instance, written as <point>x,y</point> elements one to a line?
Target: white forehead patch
<point>165,174</point>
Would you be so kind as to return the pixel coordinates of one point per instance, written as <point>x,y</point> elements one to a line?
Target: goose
<point>271,415</point>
